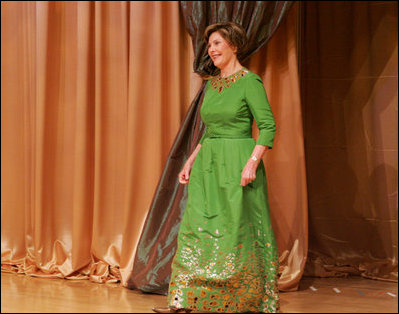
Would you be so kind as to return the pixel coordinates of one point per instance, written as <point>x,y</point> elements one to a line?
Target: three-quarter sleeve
<point>258,104</point>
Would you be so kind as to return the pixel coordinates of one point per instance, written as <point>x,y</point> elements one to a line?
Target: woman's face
<point>220,51</point>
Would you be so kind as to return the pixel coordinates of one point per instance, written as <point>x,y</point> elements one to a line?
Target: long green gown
<point>226,258</point>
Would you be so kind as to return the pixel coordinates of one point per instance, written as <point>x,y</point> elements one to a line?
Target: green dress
<point>226,258</point>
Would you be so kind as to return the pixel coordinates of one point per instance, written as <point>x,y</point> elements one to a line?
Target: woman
<point>226,259</point>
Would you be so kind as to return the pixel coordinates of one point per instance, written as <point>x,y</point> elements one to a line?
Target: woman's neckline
<point>220,76</point>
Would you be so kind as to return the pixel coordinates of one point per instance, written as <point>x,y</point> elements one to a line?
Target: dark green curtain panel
<point>157,244</point>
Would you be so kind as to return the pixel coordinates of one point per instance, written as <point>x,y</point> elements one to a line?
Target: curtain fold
<point>350,95</point>
<point>156,248</point>
<point>93,94</point>
<point>277,64</point>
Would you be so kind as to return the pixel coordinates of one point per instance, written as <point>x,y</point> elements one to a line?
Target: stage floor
<point>21,293</point>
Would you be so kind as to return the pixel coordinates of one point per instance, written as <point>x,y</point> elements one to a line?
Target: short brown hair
<point>233,33</point>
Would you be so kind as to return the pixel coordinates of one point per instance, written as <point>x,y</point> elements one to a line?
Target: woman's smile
<point>216,56</point>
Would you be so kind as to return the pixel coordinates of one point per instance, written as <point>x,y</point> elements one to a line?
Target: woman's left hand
<point>248,174</point>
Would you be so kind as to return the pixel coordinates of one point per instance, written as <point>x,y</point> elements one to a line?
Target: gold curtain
<point>277,64</point>
<point>93,94</point>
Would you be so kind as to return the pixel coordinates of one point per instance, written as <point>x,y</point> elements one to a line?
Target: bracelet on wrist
<point>254,158</point>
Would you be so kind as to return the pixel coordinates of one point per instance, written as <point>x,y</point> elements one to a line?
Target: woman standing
<point>227,259</point>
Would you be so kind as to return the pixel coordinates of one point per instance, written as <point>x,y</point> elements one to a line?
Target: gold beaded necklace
<point>220,83</point>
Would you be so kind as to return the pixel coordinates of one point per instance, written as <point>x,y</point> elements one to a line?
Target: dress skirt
<point>226,258</point>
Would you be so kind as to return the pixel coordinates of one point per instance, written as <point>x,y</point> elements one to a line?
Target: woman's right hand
<point>185,173</point>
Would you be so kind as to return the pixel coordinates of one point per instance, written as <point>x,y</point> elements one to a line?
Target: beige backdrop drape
<point>93,94</point>
<point>277,64</point>
<point>349,67</point>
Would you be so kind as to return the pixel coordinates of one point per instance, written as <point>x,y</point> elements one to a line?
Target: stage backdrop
<point>93,96</point>
<point>349,67</point>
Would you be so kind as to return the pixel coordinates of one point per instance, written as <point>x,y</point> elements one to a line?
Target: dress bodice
<point>230,104</point>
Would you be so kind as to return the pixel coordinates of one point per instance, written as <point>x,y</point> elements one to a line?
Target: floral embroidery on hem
<point>242,280</point>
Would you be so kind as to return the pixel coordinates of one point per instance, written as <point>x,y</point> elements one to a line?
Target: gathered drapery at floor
<point>349,66</point>
<point>94,96</point>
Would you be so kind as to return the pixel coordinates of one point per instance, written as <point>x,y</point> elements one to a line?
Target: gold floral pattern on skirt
<point>219,83</point>
<point>243,280</point>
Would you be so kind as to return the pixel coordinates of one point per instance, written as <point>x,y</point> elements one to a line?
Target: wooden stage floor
<point>24,294</point>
